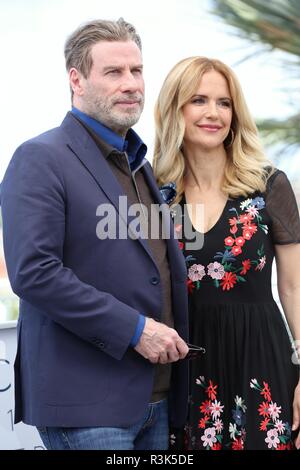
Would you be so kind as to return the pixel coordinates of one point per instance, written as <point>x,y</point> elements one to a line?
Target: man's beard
<point>107,112</point>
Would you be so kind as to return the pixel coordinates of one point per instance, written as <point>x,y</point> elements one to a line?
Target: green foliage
<point>273,25</point>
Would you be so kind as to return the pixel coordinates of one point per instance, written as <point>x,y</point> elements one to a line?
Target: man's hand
<point>161,344</point>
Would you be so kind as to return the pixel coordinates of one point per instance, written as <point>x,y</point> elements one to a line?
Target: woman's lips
<point>209,127</point>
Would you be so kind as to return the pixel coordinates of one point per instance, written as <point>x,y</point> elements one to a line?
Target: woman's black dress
<point>241,390</point>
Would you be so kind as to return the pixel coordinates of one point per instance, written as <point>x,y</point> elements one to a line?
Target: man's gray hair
<point>79,43</point>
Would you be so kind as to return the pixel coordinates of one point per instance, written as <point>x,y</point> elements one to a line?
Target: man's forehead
<point>116,52</point>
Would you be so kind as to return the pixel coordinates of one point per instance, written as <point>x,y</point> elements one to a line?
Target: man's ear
<point>76,81</point>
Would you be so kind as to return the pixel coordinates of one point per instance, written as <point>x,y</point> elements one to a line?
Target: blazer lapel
<point>176,259</point>
<point>87,151</point>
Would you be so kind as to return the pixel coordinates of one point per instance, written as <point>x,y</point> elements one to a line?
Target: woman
<point>245,391</point>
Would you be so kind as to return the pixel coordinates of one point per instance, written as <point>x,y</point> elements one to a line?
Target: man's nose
<point>129,83</point>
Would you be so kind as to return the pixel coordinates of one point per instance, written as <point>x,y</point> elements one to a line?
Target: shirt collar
<point>132,144</point>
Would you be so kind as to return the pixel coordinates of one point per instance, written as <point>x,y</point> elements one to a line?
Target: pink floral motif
<point>261,265</point>
<point>215,270</point>
<point>252,210</point>
<point>216,409</point>
<point>209,437</point>
<point>274,410</point>
<point>231,270</point>
<point>279,425</point>
<point>196,272</point>
<point>211,422</point>
<point>219,425</point>
<point>272,439</point>
<point>278,433</point>
<point>237,429</point>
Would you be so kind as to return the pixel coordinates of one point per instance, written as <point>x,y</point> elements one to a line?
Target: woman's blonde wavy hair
<point>247,167</point>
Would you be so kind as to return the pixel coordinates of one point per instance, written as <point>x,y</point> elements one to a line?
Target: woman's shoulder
<point>277,181</point>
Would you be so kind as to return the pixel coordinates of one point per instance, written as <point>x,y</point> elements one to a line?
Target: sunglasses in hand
<point>194,351</point>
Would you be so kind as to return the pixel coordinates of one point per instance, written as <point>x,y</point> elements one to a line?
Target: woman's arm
<point>288,278</point>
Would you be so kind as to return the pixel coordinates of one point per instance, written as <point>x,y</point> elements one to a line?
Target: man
<point>98,363</point>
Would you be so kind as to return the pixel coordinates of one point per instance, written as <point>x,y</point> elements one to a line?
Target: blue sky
<point>35,93</point>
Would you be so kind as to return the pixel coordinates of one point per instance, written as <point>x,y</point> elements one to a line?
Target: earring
<point>232,136</point>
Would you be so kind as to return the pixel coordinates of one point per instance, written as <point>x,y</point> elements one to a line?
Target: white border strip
<point>8,324</point>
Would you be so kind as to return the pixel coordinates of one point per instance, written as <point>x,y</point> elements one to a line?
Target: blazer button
<point>154,281</point>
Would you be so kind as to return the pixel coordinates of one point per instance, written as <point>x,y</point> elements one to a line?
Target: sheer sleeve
<point>282,208</point>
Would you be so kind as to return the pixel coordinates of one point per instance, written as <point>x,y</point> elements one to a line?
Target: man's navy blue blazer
<point>80,297</point>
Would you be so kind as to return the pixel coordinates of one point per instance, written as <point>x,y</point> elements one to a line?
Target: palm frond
<point>274,131</point>
<point>271,25</point>
<point>275,24</point>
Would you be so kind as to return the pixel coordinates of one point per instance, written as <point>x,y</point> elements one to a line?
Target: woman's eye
<point>225,104</point>
<point>198,100</point>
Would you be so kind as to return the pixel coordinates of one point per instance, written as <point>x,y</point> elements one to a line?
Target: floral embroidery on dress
<point>213,425</point>
<point>211,421</point>
<point>224,271</point>
<point>278,433</point>
<point>237,429</point>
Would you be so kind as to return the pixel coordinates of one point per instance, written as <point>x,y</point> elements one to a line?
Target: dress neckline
<point>220,218</point>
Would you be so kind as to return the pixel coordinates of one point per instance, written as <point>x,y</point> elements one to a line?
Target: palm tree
<point>273,25</point>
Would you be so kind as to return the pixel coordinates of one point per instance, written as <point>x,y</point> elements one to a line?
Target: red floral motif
<point>190,286</point>
<point>203,421</point>
<point>242,228</point>
<point>216,446</point>
<point>211,390</point>
<point>245,218</point>
<point>281,447</point>
<point>246,266</point>
<point>266,392</point>
<point>229,241</point>
<point>264,424</point>
<point>251,227</point>
<point>264,409</point>
<point>233,221</point>
<point>228,281</point>
<point>240,241</point>
<point>237,444</point>
<point>236,250</point>
<point>205,407</point>
<point>247,234</point>
<point>233,229</point>
<point>211,423</point>
<point>278,433</point>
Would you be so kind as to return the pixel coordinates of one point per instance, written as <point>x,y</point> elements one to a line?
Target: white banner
<point>12,436</point>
